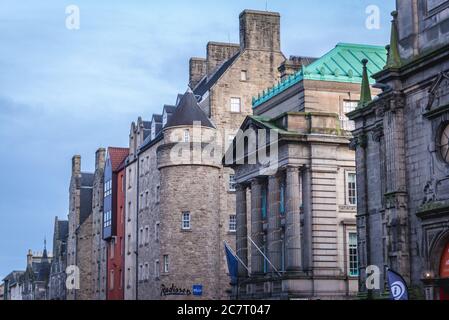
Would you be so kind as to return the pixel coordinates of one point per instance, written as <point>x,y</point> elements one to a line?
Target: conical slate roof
<point>189,112</point>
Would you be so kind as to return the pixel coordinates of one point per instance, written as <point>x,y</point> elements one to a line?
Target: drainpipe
<point>137,227</point>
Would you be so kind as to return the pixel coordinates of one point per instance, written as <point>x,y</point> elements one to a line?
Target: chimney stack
<point>218,53</point>
<point>260,30</point>
<point>76,165</point>
<point>197,70</point>
<point>29,258</point>
<point>100,156</point>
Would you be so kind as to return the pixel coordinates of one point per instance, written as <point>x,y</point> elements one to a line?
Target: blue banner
<point>232,264</point>
<point>398,286</point>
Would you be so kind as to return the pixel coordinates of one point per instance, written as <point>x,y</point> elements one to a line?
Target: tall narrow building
<point>99,256</point>
<point>56,286</point>
<point>79,244</point>
<point>114,221</point>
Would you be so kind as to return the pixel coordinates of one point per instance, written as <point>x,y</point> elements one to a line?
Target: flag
<point>398,286</point>
<point>232,264</point>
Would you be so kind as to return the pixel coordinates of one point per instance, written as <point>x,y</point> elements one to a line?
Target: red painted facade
<point>444,272</point>
<point>115,244</point>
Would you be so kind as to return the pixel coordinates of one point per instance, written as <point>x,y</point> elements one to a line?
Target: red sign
<point>444,268</point>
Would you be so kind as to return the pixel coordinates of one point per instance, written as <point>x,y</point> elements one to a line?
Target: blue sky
<point>68,92</point>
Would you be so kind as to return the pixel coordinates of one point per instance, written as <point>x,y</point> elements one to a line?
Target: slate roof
<point>41,270</point>
<point>63,228</point>
<point>207,82</point>
<point>85,204</point>
<point>189,112</point>
<point>169,109</point>
<point>87,179</point>
<point>146,125</point>
<point>14,277</point>
<point>341,64</point>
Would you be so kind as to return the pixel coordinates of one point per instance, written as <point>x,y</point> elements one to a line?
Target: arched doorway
<point>444,273</point>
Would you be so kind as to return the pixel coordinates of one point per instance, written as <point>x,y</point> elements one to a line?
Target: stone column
<point>274,241</point>
<point>308,218</point>
<point>242,231</point>
<point>257,260</point>
<point>293,220</point>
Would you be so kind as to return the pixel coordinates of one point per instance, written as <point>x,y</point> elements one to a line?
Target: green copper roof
<point>341,64</point>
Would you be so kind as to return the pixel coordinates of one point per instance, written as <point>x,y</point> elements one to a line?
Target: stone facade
<point>13,286</point>
<point>139,131</point>
<point>79,245</point>
<point>401,155</point>
<point>299,211</point>
<point>98,267</point>
<point>56,286</point>
<point>230,73</point>
<point>35,280</point>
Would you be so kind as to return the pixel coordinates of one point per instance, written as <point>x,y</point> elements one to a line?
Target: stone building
<point>401,141</point>
<point>99,277</point>
<point>57,278</point>
<point>138,133</point>
<point>35,280</point>
<point>2,291</point>
<point>79,244</point>
<point>295,176</point>
<point>223,85</point>
<point>114,220</point>
<point>13,286</point>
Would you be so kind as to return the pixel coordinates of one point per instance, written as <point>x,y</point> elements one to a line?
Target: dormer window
<point>153,130</point>
<point>164,119</point>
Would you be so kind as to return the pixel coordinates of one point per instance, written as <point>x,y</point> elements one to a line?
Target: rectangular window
<point>107,188</point>
<point>232,184</point>
<point>244,75</point>
<point>348,106</point>
<point>112,249</point>
<point>146,275</point>
<point>107,219</point>
<point>166,264</point>
<point>351,188</point>
<point>111,280</point>
<point>153,130</point>
<point>164,119</point>
<point>282,198</point>
<point>141,237</point>
<point>129,179</point>
<point>264,202</point>
<point>353,255</point>
<point>140,276</point>
<point>186,136</point>
<point>147,235</point>
<point>186,221</point>
<point>235,105</point>
<point>156,269</point>
<point>156,231</point>
<point>232,223</point>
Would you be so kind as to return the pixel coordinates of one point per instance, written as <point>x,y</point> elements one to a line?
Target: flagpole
<point>236,256</point>
<point>263,254</point>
